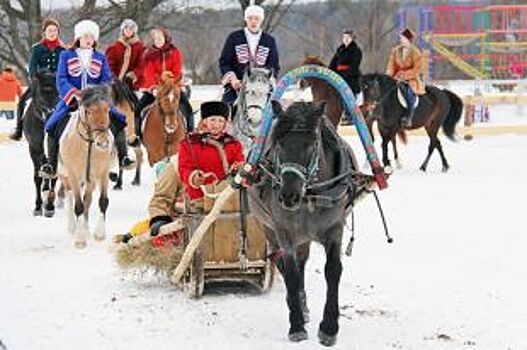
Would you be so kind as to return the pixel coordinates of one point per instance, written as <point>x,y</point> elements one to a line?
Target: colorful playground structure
<point>482,41</point>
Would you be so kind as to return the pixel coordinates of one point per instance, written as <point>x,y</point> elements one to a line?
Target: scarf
<point>127,42</point>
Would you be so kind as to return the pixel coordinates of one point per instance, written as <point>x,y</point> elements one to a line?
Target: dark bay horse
<point>437,108</point>
<point>305,195</point>
<point>44,97</point>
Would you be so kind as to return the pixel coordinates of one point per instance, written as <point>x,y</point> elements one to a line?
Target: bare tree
<point>274,14</point>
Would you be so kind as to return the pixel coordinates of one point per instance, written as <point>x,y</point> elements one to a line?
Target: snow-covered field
<point>455,277</point>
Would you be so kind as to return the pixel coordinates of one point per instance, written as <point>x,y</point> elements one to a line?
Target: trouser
<point>410,101</point>
<point>229,97</point>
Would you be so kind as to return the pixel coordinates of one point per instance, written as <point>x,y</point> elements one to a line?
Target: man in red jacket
<point>124,55</point>
<point>10,90</point>
<point>206,156</point>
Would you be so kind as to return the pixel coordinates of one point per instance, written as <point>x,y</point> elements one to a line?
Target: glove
<point>157,222</point>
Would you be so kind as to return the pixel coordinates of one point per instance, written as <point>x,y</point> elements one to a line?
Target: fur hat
<point>214,108</point>
<point>254,10</point>
<point>129,23</point>
<point>50,22</point>
<point>408,34</point>
<point>87,27</point>
<point>350,32</point>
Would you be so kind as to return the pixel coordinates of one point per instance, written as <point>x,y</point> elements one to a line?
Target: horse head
<point>296,149</point>
<point>256,88</point>
<point>45,92</point>
<point>310,60</point>
<point>95,115</point>
<point>168,100</point>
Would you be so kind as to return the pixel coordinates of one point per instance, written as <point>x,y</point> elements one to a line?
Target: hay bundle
<point>161,254</point>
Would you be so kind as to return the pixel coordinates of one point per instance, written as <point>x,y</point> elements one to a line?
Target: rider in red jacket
<point>161,55</point>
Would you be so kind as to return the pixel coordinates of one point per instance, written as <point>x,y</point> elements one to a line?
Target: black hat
<point>214,108</point>
<point>350,32</point>
<point>408,34</point>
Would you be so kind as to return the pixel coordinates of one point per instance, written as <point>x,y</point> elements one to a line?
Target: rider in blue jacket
<point>81,66</point>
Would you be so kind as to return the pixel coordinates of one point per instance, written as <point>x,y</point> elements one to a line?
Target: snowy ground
<point>455,278</point>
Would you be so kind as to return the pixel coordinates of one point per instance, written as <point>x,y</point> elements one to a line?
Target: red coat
<point>195,154</point>
<point>155,61</point>
<point>10,87</point>
<point>117,57</point>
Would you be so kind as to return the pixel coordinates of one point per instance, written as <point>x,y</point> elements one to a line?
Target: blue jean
<point>410,98</point>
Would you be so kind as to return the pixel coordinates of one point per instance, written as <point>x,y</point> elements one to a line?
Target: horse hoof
<point>113,176</point>
<point>118,187</point>
<point>80,244</point>
<point>388,170</point>
<point>136,183</point>
<point>99,237</point>
<point>49,213</point>
<point>325,339</point>
<point>60,203</point>
<point>297,336</point>
<point>423,169</point>
<point>445,169</point>
<point>37,212</point>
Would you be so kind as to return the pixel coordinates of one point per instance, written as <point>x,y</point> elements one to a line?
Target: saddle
<point>401,95</point>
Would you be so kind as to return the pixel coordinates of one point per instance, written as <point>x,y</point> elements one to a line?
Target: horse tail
<point>402,136</point>
<point>454,114</point>
<point>121,93</point>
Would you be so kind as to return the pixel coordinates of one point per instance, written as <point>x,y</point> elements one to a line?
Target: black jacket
<point>346,62</point>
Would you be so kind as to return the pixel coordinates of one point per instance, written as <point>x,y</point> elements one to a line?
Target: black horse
<point>437,108</point>
<point>305,194</point>
<point>44,97</point>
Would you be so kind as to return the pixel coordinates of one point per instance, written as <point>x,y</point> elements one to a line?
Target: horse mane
<point>382,78</point>
<point>95,94</point>
<point>121,93</point>
<point>313,59</point>
<point>300,115</point>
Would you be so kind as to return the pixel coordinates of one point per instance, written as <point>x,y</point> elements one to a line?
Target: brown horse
<point>85,155</point>
<point>323,91</point>
<point>164,127</point>
<point>124,100</point>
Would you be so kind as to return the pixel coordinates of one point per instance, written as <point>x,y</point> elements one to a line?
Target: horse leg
<point>80,225</point>
<point>329,327</point>
<point>119,181</point>
<point>70,212</point>
<point>431,147</point>
<point>37,180</point>
<point>139,160</point>
<point>302,254</point>
<point>60,196</point>
<point>385,159</point>
<point>442,154</point>
<point>100,230</point>
<point>396,153</point>
<point>87,199</point>
<point>49,210</point>
<point>292,277</point>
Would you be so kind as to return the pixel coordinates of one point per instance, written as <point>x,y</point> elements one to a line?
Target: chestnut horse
<point>164,126</point>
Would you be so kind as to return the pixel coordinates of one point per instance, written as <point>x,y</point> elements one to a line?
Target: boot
<point>49,167</point>
<point>125,162</point>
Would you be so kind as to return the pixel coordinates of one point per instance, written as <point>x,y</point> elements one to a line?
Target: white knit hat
<point>129,23</point>
<point>254,10</point>
<point>87,27</point>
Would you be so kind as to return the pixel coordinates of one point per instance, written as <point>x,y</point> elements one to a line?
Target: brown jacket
<point>407,68</point>
<point>169,188</point>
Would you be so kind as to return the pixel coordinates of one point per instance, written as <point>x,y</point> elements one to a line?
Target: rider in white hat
<point>244,48</point>
<point>79,67</point>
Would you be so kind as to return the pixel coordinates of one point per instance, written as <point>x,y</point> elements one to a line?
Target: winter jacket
<point>69,83</point>
<point>156,61</point>
<point>407,68</point>
<point>124,58</point>
<point>45,56</point>
<point>10,87</point>
<point>235,56</point>
<point>346,63</point>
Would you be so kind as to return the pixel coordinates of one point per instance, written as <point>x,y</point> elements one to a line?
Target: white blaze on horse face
<point>171,97</point>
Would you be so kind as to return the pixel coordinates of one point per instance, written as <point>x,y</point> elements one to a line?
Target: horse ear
<point>277,108</point>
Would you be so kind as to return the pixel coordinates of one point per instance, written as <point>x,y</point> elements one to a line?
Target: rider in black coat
<point>346,61</point>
